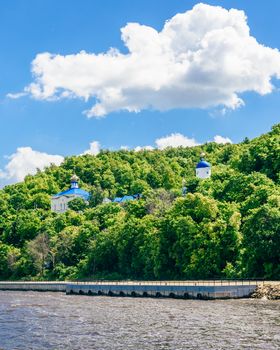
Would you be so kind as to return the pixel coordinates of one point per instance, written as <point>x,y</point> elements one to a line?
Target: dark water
<point>30,320</point>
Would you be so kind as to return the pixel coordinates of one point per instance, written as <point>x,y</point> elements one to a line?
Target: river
<point>32,320</point>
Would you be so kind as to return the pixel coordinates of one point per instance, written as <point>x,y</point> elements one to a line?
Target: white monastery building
<point>59,202</point>
<point>203,168</point>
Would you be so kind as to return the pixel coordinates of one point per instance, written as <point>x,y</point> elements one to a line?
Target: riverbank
<point>267,291</point>
<point>48,286</point>
<point>215,289</point>
<point>199,289</point>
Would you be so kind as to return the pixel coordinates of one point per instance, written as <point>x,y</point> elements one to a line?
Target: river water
<point>30,320</point>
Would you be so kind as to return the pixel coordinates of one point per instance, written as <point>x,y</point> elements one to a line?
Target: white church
<point>59,202</point>
<point>203,168</point>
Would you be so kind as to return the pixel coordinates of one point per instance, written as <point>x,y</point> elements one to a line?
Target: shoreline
<point>206,290</point>
<point>267,291</point>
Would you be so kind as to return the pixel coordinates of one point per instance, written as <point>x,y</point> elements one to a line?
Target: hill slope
<point>226,226</point>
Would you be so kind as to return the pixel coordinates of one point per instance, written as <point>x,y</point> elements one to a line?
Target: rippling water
<point>30,320</point>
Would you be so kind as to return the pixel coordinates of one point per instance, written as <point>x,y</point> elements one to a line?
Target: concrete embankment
<point>183,290</point>
<point>270,291</point>
<point>34,286</point>
<point>166,289</point>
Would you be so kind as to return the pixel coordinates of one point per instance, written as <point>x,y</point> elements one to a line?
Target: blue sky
<point>66,27</point>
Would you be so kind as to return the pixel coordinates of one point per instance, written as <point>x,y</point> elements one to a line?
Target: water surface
<point>32,320</point>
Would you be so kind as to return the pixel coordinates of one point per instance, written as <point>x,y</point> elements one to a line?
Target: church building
<point>203,168</point>
<point>59,202</point>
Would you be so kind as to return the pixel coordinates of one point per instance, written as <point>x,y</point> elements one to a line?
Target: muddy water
<point>30,320</point>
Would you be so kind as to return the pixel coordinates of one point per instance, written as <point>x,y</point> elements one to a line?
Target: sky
<point>78,76</point>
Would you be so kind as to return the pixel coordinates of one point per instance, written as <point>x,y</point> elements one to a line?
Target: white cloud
<point>26,161</point>
<point>94,148</point>
<point>221,139</point>
<point>202,58</point>
<point>178,140</point>
<point>17,95</point>
<point>142,148</point>
<point>175,140</point>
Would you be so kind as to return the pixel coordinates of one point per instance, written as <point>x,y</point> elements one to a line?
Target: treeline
<point>226,226</point>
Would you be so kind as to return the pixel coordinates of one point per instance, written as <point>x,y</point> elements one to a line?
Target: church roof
<point>123,199</point>
<point>126,198</point>
<point>203,164</point>
<point>74,192</point>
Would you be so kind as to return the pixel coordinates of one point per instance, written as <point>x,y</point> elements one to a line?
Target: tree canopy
<point>225,226</point>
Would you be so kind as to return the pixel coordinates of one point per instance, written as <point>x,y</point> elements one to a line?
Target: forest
<point>227,226</point>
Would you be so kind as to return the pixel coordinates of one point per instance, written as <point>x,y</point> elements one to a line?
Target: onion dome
<point>74,181</point>
<point>203,163</point>
<point>74,178</point>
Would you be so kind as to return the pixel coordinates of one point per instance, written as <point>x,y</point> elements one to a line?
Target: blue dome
<point>203,164</point>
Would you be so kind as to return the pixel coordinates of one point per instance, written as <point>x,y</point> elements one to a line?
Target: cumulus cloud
<point>221,139</point>
<point>202,58</point>
<point>26,161</point>
<point>94,148</point>
<point>142,148</point>
<point>178,140</point>
<point>175,140</point>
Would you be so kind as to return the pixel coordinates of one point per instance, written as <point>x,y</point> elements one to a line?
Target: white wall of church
<point>60,204</point>
<point>203,173</point>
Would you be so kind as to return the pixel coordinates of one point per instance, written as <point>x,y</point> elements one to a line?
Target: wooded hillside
<point>227,226</point>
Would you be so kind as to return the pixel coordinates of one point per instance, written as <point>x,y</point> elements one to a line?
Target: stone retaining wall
<point>34,286</point>
<point>171,291</point>
<point>167,289</point>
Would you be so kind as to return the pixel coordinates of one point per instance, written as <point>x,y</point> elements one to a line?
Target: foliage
<point>226,226</point>
<point>77,204</point>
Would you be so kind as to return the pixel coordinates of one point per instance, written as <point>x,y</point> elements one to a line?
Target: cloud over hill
<point>202,58</point>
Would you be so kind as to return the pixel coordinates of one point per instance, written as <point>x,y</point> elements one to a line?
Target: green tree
<point>261,243</point>
<point>77,204</point>
<point>39,249</point>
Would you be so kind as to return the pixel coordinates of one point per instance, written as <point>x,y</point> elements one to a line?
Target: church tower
<point>74,181</point>
<point>203,168</point>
